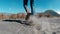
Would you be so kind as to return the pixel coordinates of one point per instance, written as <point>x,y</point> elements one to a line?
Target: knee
<point>24,6</point>
<point>31,4</point>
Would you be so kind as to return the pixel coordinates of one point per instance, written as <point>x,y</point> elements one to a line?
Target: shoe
<point>27,16</point>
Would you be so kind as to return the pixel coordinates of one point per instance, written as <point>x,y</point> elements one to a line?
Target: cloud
<point>58,12</point>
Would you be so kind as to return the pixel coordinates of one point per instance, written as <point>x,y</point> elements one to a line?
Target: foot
<point>27,16</point>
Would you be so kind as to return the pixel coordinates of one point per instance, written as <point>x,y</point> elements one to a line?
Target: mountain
<point>51,12</point>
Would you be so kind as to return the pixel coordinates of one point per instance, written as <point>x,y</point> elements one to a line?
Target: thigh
<point>25,2</point>
<point>31,2</point>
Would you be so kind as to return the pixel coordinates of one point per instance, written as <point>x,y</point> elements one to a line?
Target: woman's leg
<point>25,2</point>
<point>31,5</point>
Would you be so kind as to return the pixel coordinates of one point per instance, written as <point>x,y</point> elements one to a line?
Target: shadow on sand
<point>18,21</point>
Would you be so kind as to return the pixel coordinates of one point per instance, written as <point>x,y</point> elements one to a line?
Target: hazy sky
<point>16,6</point>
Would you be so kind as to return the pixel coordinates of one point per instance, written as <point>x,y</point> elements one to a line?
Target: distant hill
<point>51,12</point>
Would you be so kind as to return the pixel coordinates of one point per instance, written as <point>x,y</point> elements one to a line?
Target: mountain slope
<point>51,12</point>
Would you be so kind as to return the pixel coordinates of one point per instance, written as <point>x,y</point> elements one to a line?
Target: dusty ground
<point>17,28</point>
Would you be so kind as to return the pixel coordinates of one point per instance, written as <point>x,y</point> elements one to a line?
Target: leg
<point>27,16</point>
<point>25,4</point>
<point>31,5</point>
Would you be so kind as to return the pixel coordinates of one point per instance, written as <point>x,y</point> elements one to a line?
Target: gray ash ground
<point>17,28</point>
